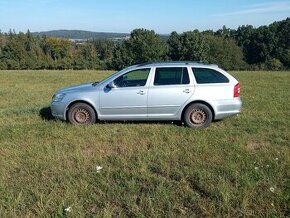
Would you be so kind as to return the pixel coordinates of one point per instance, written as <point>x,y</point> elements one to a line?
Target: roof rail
<point>171,62</point>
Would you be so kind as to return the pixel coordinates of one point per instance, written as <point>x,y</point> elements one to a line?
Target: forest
<point>244,48</point>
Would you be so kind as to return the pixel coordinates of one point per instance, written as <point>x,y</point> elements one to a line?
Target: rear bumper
<point>58,110</point>
<point>227,108</point>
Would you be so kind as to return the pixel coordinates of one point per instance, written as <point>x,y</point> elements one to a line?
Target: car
<point>192,92</point>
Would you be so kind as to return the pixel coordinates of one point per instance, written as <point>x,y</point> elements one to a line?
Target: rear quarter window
<point>205,76</point>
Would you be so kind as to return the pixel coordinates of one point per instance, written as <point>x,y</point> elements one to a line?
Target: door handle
<point>141,92</point>
<point>186,91</point>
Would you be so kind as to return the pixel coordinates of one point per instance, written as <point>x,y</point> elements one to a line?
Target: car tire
<point>81,114</point>
<point>197,116</point>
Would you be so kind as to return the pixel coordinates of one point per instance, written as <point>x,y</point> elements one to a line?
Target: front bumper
<point>58,110</point>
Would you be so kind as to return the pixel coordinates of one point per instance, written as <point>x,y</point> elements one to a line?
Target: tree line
<point>244,48</point>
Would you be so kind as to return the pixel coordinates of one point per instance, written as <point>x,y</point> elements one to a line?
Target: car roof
<point>177,64</point>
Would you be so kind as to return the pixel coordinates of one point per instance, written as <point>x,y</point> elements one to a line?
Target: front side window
<point>133,78</point>
<point>171,76</point>
<point>204,75</point>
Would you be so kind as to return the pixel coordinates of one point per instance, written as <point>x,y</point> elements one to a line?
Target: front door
<point>128,99</point>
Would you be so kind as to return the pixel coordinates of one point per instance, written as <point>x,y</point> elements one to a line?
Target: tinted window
<point>171,76</point>
<point>203,75</point>
<point>133,78</point>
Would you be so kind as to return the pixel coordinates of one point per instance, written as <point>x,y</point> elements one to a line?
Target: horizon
<point>85,30</point>
<point>114,16</point>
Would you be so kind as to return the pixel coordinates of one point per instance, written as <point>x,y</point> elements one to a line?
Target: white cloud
<point>260,9</point>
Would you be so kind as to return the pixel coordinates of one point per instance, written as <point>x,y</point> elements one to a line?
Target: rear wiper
<point>95,83</point>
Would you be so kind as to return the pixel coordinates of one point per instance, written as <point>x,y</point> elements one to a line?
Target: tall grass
<point>237,167</point>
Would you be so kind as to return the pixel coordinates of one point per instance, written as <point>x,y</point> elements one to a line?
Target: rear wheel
<point>81,113</point>
<point>197,116</point>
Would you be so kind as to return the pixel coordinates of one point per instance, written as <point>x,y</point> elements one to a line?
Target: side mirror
<point>111,85</point>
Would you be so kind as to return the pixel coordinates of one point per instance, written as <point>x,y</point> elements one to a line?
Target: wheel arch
<point>200,102</point>
<point>79,101</point>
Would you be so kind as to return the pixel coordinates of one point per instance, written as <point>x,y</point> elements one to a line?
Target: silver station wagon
<point>191,92</point>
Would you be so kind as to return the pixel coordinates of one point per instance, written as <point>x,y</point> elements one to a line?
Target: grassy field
<point>238,167</point>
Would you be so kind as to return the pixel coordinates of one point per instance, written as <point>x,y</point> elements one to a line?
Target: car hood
<point>78,88</point>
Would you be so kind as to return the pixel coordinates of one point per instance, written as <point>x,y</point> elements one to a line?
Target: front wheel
<point>81,113</point>
<point>197,116</point>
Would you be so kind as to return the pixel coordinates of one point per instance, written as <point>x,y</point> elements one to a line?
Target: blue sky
<point>163,16</point>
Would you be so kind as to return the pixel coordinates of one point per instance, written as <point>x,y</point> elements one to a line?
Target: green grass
<point>149,169</point>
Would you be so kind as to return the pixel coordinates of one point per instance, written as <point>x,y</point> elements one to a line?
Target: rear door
<point>169,91</point>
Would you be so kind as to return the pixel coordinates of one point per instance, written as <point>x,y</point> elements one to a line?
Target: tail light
<point>237,90</point>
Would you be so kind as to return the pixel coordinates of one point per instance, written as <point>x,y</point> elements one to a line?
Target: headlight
<point>58,97</point>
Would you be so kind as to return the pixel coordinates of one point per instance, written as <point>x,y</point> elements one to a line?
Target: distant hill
<point>81,34</point>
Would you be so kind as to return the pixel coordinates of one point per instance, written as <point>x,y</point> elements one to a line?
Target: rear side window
<point>204,75</point>
<point>171,76</point>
